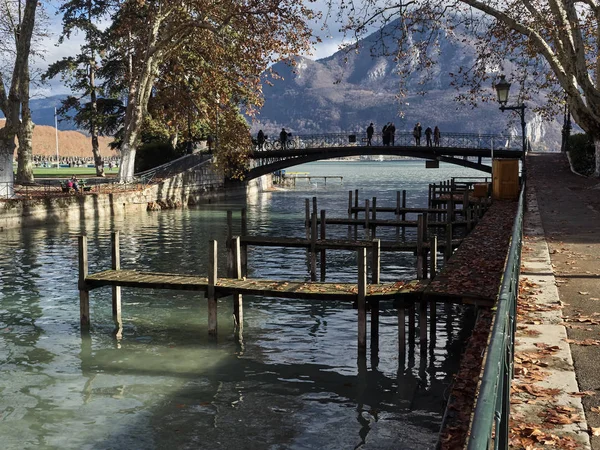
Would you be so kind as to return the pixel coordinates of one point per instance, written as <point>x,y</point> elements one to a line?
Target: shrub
<point>582,153</point>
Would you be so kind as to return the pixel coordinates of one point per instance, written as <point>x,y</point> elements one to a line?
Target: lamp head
<point>502,88</point>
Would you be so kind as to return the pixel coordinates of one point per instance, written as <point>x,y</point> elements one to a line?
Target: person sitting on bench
<point>74,183</point>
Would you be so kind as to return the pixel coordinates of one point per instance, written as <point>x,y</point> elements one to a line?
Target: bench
<point>83,187</point>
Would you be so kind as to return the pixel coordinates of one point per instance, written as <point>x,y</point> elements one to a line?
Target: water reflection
<point>293,381</point>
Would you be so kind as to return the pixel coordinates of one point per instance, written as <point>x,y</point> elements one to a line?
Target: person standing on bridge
<point>428,132</point>
<point>417,133</point>
<point>260,139</point>
<point>385,135</point>
<point>436,136</point>
<point>392,131</point>
<point>283,136</point>
<point>370,131</point>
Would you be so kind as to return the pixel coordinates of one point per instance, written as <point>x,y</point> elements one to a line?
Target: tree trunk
<point>7,150</point>
<point>25,152</point>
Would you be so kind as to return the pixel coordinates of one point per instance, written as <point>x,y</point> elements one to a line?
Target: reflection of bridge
<point>465,150</point>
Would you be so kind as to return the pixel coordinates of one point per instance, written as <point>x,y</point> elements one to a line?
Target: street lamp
<point>217,124</point>
<point>566,131</point>
<point>502,90</point>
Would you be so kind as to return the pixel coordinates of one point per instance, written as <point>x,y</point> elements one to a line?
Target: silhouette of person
<point>283,136</point>
<point>260,139</point>
<point>436,136</point>
<point>428,132</point>
<point>392,131</point>
<point>385,135</point>
<point>370,131</point>
<point>417,133</point>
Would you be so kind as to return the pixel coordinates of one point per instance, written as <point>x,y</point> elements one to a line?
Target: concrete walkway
<point>556,390</point>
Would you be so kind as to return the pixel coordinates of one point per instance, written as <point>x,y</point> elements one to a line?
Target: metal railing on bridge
<point>401,139</point>
<point>491,419</point>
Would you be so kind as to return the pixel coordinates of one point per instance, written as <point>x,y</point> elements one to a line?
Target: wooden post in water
<point>116,290</point>
<point>433,256</point>
<point>229,245</point>
<point>238,306</point>
<point>398,214</point>
<point>313,251</point>
<point>307,217</point>
<point>314,207</point>
<point>424,239</point>
<point>403,213</point>
<point>376,261</point>
<point>349,214</point>
<point>423,323</point>
<point>356,214</point>
<point>362,301</point>
<point>411,321</point>
<point>84,293</point>
<point>466,205</point>
<point>449,232</point>
<point>244,247</point>
<point>323,251</point>
<point>367,212</point>
<point>420,271</point>
<point>401,327</point>
<point>211,291</point>
<point>374,216</point>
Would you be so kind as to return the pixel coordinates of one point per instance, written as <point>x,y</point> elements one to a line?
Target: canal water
<point>293,383</point>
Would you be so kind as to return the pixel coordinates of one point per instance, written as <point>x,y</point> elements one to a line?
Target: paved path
<point>561,271</point>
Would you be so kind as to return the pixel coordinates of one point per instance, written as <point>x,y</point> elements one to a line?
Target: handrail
<point>493,401</point>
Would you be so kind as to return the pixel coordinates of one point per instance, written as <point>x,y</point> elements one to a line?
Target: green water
<point>295,381</point>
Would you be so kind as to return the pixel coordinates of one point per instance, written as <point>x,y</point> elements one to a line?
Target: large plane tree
<point>14,95</point>
<point>232,42</point>
<point>545,45</point>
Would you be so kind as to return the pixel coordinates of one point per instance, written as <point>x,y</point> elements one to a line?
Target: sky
<point>330,36</point>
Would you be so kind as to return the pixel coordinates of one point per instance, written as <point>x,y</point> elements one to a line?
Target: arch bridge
<point>467,150</point>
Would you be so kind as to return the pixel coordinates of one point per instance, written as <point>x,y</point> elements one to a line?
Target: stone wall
<point>195,186</point>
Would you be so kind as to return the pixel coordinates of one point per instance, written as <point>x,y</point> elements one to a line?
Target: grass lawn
<point>66,172</point>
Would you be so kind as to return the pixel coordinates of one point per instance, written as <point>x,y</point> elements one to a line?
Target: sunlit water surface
<point>294,382</point>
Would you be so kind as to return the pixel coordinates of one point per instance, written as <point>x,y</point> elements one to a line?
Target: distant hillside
<point>347,91</point>
<point>70,143</point>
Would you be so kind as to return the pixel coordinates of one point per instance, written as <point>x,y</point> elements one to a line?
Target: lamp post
<point>502,90</point>
<point>566,131</point>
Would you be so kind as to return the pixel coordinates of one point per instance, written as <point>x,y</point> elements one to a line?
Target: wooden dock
<point>464,279</point>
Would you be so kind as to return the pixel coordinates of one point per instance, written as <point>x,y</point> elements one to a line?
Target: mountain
<point>42,112</point>
<point>346,91</point>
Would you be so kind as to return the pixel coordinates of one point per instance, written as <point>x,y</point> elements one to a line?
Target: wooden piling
<point>244,248</point>
<point>84,293</point>
<point>211,293</point>
<point>361,300</point>
<point>116,290</point>
<point>374,216</point>
<point>313,244</point>
<point>401,327</point>
<point>403,214</point>
<point>433,249</point>
<point>376,261</point>
<point>314,206</point>
<point>398,214</point>
<point>349,214</point>
<point>323,251</point>
<point>238,308</point>
<point>356,214</point>
<point>367,212</point>
<point>420,271</point>
<point>307,217</point>
<point>423,323</point>
<point>228,244</point>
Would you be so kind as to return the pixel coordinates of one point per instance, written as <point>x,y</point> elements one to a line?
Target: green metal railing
<point>491,418</point>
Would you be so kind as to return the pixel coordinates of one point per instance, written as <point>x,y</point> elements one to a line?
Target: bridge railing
<point>491,419</point>
<point>401,138</point>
